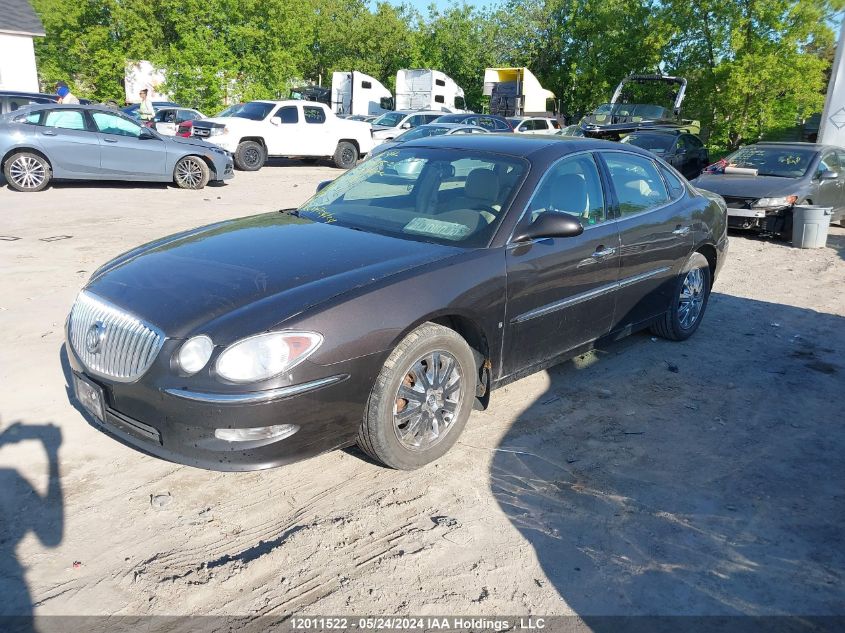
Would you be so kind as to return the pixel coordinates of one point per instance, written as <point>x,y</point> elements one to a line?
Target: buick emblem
<point>94,337</point>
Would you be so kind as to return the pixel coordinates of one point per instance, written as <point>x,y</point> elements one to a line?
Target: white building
<point>18,25</point>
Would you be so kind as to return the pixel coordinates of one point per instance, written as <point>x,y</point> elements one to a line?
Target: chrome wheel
<point>189,173</point>
<point>27,172</point>
<point>691,299</point>
<point>428,401</point>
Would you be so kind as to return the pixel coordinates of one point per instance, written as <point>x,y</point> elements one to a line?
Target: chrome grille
<point>111,342</point>
<point>202,131</point>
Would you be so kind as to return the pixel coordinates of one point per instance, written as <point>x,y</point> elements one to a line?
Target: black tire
<point>379,433</point>
<point>191,172</point>
<point>27,171</point>
<point>250,156</point>
<point>675,325</point>
<point>346,155</point>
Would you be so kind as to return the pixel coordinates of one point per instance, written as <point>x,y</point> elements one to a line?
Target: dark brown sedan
<point>382,309</point>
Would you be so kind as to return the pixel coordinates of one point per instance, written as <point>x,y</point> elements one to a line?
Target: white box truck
<point>517,92</point>
<point>426,89</point>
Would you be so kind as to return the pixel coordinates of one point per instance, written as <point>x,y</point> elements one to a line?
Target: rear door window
<point>314,114</point>
<point>636,181</point>
<point>66,119</point>
<point>288,114</point>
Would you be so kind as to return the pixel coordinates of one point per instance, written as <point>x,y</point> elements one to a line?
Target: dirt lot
<point>647,477</point>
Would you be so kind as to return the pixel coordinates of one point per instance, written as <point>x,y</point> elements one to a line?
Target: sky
<point>422,5</point>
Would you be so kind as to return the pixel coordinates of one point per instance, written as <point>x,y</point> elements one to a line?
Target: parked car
<point>504,255</point>
<point>296,129</point>
<point>168,121</point>
<point>10,100</point>
<point>391,124</point>
<point>489,122</point>
<point>534,125</point>
<point>685,152</point>
<point>424,131</point>
<point>761,183</point>
<point>572,131</point>
<point>41,143</point>
<point>132,110</point>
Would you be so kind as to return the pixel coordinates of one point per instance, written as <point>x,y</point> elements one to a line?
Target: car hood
<point>195,142</point>
<point>278,263</point>
<point>742,186</point>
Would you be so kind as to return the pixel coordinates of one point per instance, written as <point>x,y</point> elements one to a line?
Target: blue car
<point>39,143</point>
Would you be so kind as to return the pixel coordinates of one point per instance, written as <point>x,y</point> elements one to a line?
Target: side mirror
<point>549,224</point>
<point>146,134</point>
<point>276,120</point>
<point>323,185</point>
<point>827,174</point>
<point>405,126</point>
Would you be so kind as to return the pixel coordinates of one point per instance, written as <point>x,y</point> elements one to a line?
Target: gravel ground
<point>646,477</point>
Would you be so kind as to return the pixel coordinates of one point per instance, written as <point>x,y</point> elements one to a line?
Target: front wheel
<point>191,172</point>
<point>692,290</point>
<point>250,156</point>
<point>421,400</point>
<point>27,171</point>
<point>346,155</point>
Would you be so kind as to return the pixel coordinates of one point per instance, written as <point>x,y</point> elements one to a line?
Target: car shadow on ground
<point>107,184</point>
<point>721,490</point>
<point>23,510</point>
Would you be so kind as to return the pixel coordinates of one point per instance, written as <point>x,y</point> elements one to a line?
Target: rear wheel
<point>346,155</point>
<point>692,290</point>
<point>191,172</point>
<point>250,156</point>
<point>27,171</point>
<point>421,400</point>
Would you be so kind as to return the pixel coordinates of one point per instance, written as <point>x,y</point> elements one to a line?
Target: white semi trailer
<point>356,93</point>
<point>517,92</point>
<point>426,89</point>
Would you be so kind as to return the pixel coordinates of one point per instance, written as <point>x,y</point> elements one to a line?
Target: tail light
<point>186,129</point>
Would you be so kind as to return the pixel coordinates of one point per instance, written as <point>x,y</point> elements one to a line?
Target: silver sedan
<point>40,143</point>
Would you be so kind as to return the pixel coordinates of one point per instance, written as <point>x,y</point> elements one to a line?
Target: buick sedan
<point>385,308</point>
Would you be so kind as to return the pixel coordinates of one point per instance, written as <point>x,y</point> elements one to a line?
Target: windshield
<point>255,111</point>
<point>421,132</point>
<point>657,143</point>
<point>423,194</point>
<point>784,162</point>
<point>389,119</point>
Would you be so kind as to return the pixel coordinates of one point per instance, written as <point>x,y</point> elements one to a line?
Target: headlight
<point>266,355</point>
<point>194,354</point>
<point>783,201</point>
<point>217,131</point>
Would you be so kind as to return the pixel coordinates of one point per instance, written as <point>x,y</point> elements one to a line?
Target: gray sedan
<point>76,142</point>
<point>762,182</point>
<point>424,131</point>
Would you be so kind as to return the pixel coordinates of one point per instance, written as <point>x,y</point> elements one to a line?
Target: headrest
<point>482,184</point>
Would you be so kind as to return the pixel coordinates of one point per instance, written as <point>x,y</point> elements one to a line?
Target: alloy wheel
<point>189,173</point>
<point>27,172</point>
<point>252,156</point>
<point>691,299</point>
<point>427,401</point>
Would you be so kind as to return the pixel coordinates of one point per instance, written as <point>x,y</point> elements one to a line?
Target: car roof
<point>37,107</point>
<point>520,144</point>
<point>15,93</point>
<point>447,124</point>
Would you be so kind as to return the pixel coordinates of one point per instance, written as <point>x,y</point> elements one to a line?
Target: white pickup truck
<point>294,129</point>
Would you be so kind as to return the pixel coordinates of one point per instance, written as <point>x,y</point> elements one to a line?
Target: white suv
<point>534,125</point>
<point>258,129</point>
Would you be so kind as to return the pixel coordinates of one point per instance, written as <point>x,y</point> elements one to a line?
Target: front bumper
<point>178,425</point>
<point>775,220</point>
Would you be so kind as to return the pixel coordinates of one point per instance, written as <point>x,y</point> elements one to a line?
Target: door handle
<point>110,140</point>
<point>49,132</point>
<point>681,230</point>
<point>602,252</point>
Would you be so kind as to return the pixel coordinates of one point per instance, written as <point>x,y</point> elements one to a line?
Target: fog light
<point>277,432</point>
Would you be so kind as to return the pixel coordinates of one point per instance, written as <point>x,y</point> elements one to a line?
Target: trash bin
<point>809,226</point>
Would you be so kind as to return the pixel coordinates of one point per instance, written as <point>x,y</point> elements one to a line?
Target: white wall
<point>17,63</point>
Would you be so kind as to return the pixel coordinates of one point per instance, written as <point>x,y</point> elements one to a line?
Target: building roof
<point>18,17</point>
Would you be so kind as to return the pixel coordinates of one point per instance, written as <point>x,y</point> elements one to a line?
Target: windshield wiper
<point>293,212</point>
